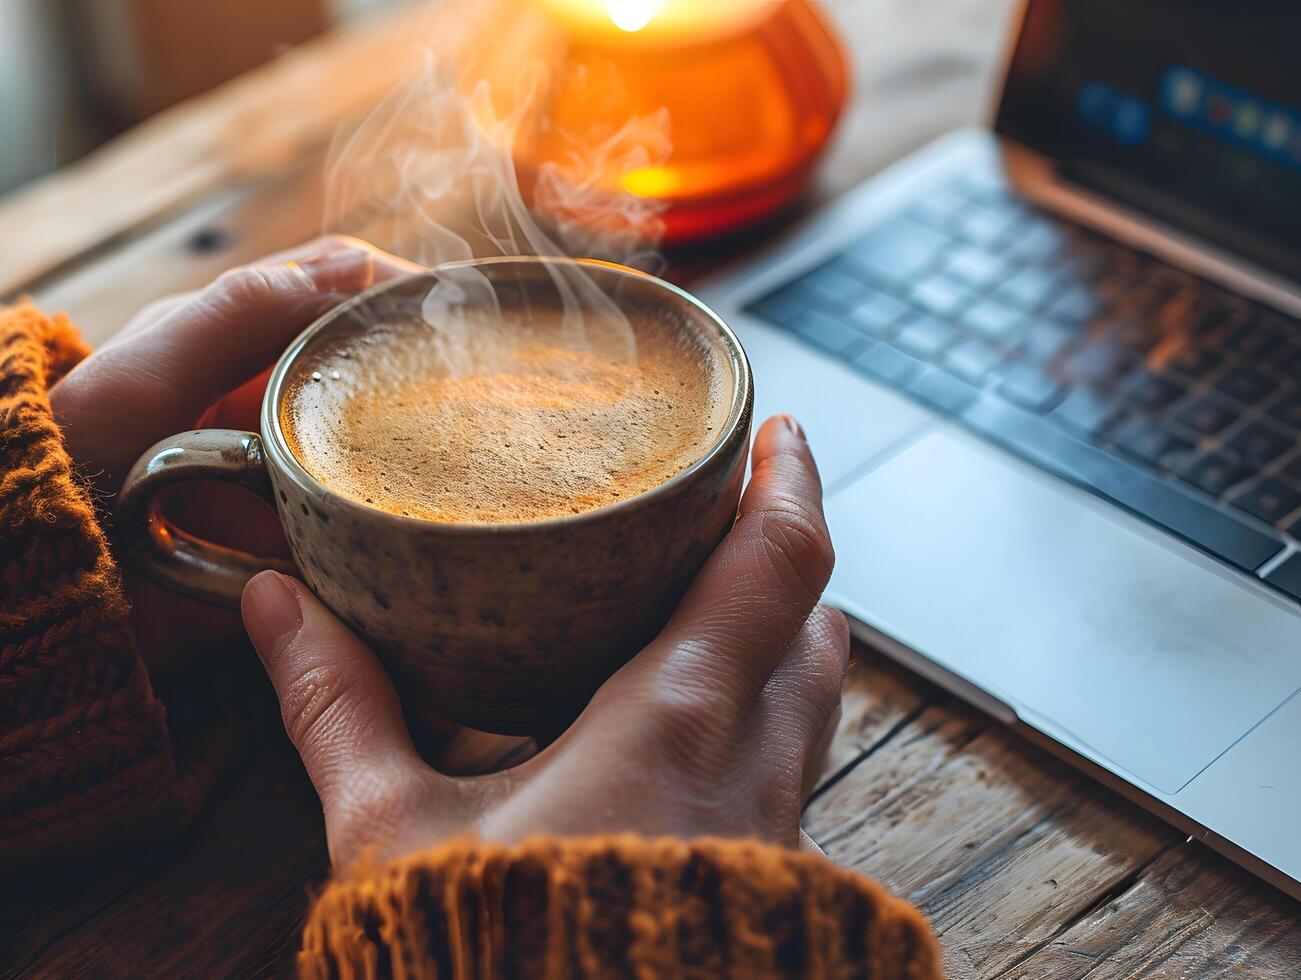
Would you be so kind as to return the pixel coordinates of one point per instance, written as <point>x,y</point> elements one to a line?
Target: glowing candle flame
<point>631,15</point>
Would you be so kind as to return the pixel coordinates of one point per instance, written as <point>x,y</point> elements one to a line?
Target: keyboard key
<point>939,207</point>
<point>1087,412</point>
<point>1215,473</point>
<point>897,251</point>
<point>942,391</point>
<point>1147,441</point>
<point>975,267</point>
<point>1207,415</point>
<point>1098,362</point>
<point>1039,241</point>
<point>1193,360</point>
<point>1287,577</point>
<point>972,360</point>
<point>1261,443</point>
<point>982,225</point>
<point>1246,383</point>
<point>1133,332</point>
<point>1084,262</point>
<point>1288,410</point>
<point>829,332</point>
<point>1289,363</point>
<point>924,336</point>
<point>1292,527</point>
<point>993,319</point>
<point>1029,387</point>
<point>1044,340</point>
<point>1270,500</point>
<point>1028,289</point>
<point>833,285</point>
<point>986,183</point>
<point>889,365</point>
<point>1079,306</point>
<point>941,295</point>
<point>1193,519</point>
<point>1152,392</point>
<point>783,307</point>
<point>1256,339</point>
<point>876,314</point>
<point>1292,470</point>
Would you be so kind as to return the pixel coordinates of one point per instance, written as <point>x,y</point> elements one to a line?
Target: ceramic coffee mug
<point>502,627</point>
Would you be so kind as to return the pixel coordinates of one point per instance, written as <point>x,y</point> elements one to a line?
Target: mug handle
<point>171,557</point>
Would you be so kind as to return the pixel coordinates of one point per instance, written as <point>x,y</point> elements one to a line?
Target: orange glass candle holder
<point>715,109</point>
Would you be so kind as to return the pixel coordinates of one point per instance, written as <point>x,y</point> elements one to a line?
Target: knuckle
<point>313,699</point>
<point>337,242</point>
<point>826,688</point>
<point>242,286</point>
<point>826,668</point>
<point>798,547</point>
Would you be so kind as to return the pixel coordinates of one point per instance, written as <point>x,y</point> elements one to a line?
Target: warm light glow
<point>651,182</point>
<point>631,15</point>
<point>705,114</point>
<point>656,21</point>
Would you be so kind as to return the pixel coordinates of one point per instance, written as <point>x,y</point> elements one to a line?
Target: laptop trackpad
<point>1118,642</point>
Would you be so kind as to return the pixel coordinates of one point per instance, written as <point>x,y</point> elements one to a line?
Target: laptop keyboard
<point>1100,363</point>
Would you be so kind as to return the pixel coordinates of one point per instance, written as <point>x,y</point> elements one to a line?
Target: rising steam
<point>430,175</point>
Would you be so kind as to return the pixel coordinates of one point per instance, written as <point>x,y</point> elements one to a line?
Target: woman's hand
<point>709,730</point>
<point>179,361</point>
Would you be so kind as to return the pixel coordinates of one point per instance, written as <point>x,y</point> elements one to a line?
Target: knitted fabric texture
<point>84,748</point>
<point>614,906</point>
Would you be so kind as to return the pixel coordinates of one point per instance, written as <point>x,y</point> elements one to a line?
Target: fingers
<point>750,601</point>
<point>790,725</point>
<point>339,708</point>
<point>184,354</point>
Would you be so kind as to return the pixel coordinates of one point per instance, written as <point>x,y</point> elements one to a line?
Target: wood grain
<point>1190,914</point>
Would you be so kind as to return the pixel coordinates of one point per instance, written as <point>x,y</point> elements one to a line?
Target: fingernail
<point>271,613</point>
<point>793,426</point>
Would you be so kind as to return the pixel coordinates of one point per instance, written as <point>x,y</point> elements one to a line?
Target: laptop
<point>1051,371</point>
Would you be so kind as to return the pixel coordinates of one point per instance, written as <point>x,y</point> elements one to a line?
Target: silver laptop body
<point>1135,615</point>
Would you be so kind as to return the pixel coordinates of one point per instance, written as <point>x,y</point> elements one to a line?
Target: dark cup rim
<point>282,457</point>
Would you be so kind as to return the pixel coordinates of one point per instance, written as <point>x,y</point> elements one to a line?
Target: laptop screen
<point>1187,109</point>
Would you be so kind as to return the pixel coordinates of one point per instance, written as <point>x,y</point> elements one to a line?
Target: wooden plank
<point>1190,914</point>
<point>999,843</point>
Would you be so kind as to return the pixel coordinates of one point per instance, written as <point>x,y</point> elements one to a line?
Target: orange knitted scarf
<point>84,745</point>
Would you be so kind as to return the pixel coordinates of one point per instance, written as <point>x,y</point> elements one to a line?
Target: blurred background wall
<point>74,73</point>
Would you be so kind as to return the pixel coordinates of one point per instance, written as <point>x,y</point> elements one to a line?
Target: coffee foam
<point>487,420</point>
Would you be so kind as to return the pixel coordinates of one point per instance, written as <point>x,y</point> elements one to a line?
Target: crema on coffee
<point>504,417</point>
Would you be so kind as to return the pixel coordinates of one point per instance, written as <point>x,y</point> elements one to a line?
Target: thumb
<point>339,708</point>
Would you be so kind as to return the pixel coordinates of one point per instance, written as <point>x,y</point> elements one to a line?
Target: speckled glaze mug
<point>501,627</point>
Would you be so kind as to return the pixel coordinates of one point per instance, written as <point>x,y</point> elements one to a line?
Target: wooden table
<point>1025,868</point>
